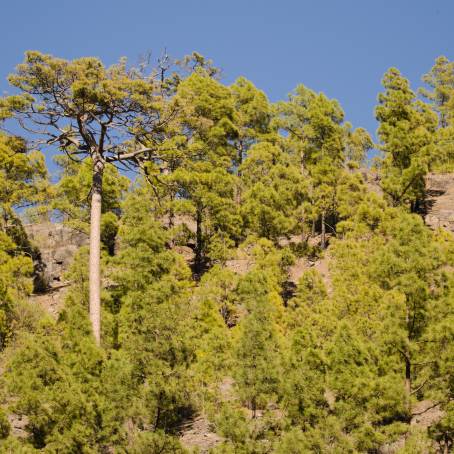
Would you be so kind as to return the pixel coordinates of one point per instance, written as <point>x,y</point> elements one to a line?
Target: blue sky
<point>339,47</point>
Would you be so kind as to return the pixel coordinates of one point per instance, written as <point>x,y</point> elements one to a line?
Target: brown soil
<point>425,414</point>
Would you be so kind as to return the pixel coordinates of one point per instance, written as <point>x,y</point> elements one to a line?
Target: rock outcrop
<point>57,245</point>
<point>440,201</point>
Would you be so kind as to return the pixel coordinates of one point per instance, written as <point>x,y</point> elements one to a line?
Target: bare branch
<point>130,155</point>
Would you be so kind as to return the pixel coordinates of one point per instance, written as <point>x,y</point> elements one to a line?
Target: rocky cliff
<point>57,245</point>
<point>440,201</point>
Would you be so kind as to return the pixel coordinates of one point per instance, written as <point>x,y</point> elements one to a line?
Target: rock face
<point>57,245</point>
<point>440,201</point>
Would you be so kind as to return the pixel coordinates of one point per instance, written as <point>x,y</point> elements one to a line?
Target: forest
<point>262,267</point>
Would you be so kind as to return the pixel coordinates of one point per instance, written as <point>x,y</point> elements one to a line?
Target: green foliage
<point>217,288</point>
<point>253,115</point>
<point>23,183</point>
<point>23,174</point>
<point>70,392</point>
<point>443,431</point>
<point>15,283</point>
<point>416,442</point>
<point>273,191</point>
<point>257,347</point>
<point>406,133</point>
<point>202,317</point>
<point>311,289</point>
<point>71,195</point>
<point>155,443</point>
<point>322,147</point>
<point>152,304</point>
<point>328,437</point>
<point>77,397</point>
<point>5,426</point>
<point>440,79</point>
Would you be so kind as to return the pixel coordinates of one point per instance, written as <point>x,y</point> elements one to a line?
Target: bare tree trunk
<point>95,250</point>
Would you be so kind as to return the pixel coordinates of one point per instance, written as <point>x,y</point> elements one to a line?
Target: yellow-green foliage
<point>202,314</point>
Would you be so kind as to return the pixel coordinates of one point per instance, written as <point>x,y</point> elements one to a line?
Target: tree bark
<point>95,250</point>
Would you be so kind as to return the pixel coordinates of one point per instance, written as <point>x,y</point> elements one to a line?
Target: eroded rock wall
<point>57,245</point>
<point>440,201</point>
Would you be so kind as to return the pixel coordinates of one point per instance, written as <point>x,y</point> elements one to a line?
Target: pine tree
<point>252,118</point>
<point>203,179</point>
<point>273,191</point>
<point>82,104</point>
<point>441,80</point>
<point>391,288</point>
<point>340,363</point>
<point>257,350</point>
<point>441,97</point>
<point>321,144</point>
<point>153,312</point>
<point>406,133</point>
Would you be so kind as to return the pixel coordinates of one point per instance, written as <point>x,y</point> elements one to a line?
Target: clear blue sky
<point>339,47</point>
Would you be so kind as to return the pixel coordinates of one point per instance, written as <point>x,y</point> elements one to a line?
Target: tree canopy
<point>255,273</point>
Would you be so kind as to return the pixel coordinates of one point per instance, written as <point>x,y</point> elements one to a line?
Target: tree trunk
<point>240,157</point>
<point>407,359</point>
<point>95,250</point>
<point>237,193</point>
<point>199,243</point>
<point>323,241</point>
<point>254,408</point>
<point>408,384</point>
<point>303,231</point>
<point>237,189</point>
<point>447,445</point>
